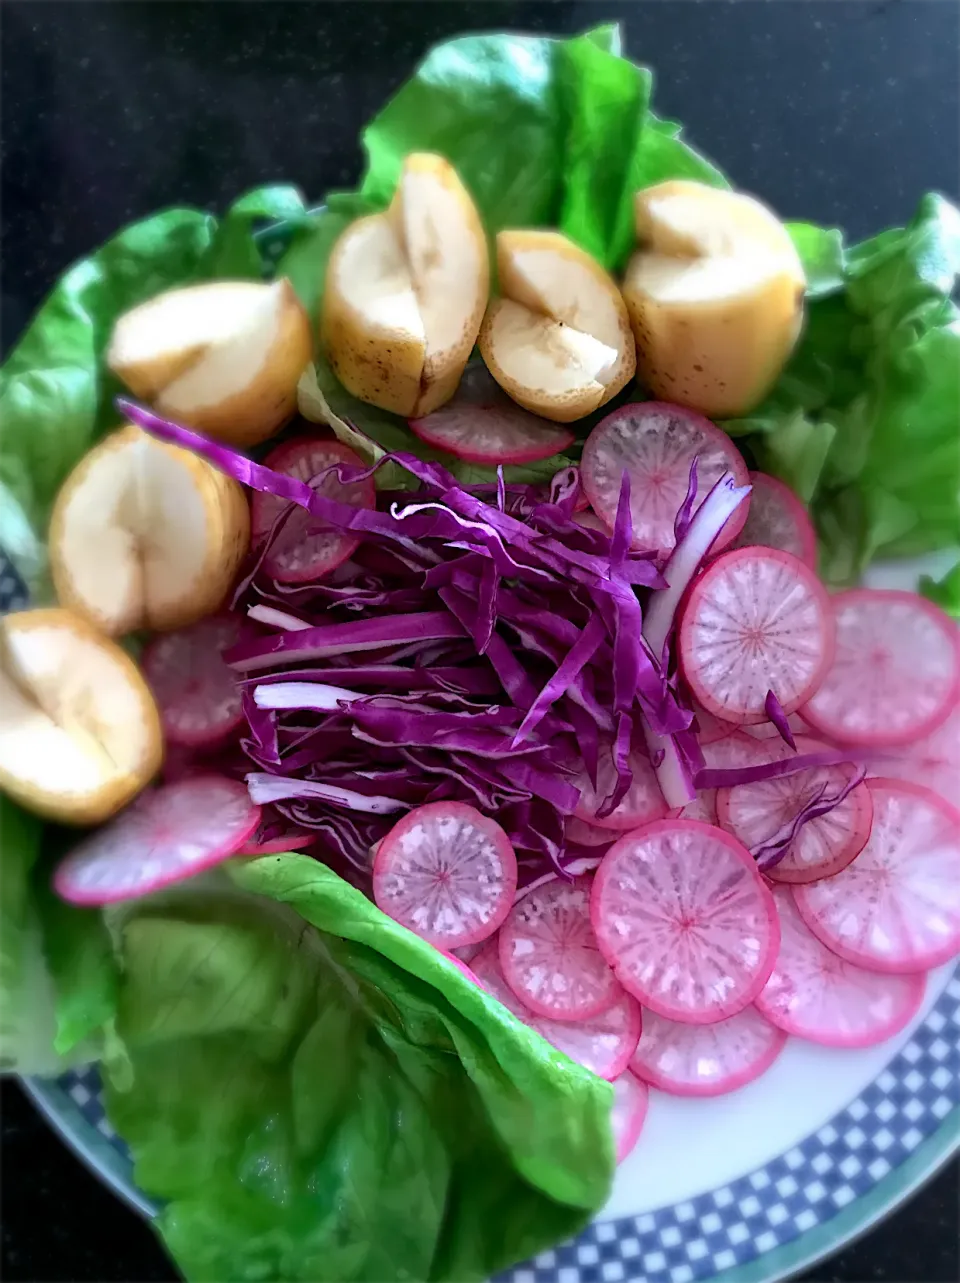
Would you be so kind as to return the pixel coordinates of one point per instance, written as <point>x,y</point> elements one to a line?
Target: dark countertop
<point>841,113</point>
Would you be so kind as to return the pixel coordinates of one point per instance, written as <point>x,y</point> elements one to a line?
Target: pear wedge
<point>715,296</point>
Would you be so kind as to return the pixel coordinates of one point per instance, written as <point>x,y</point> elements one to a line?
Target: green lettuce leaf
<point>319,1095</point>
<point>945,592</point>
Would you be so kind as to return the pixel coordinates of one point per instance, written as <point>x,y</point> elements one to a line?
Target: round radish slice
<point>446,872</point>
<point>303,550</point>
<point>462,967</point>
<point>896,673</point>
<point>816,995</point>
<point>655,444</point>
<point>733,750</point>
<point>549,955</point>
<point>168,834</point>
<point>197,694</point>
<point>778,519</point>
<point>603,1044</point>
<point>685,920</point>
<point>710,729</point>
<point>630,1100</point>
<point>767,730</point>
<point>706,1060</point>
<point>756,620</point>
<point>756,813</point>
<point>896,908</point>
<point>585,834</point>
<point>643,801</point>
<point>933,761</point>
<point>590,521</point>
<point>702,808</point>
<point>498,431</point>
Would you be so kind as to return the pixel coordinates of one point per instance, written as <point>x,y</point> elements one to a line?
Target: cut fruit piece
<point>602,1044</point>
<point>643,801</point>
<point>758,813</point>
<point>499,432</point>
<point>405,292</point>
<point>685,920</point>
<point>447,873</point>
<point>756,620</point>
<point>169,834</point>
<point>655,444</point>
<point>558,341</point>
<point>816,995</point>
<point>631,1097</point>
<point>304,549</point>
<point>197,693</point>
<point>715,296</point>
<point>778,519</point>
<point>549,955</point>
<point>933,761</point>
<point>79,729</point>
<point>706,1060</point>
<point>224,357</point>
<point>896,908</point>
<point>146,535</point>
<point>896,673</point>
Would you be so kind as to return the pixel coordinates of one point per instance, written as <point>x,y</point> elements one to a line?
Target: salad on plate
<point>449,710</point>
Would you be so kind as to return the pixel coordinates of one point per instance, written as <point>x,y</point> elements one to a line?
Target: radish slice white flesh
<point>584,834</point>
<point>685,920</point>
<point>630,1100</point>
<point>497,432</point>
<point>447,873</point>
<point>710,729</point>
<point>197,694</point>
<point>303,551</point>
<point>767,730</point>
<point>655,444</point>
<point>167,835</point>
<point>602,1044</point>
<point>756,620</point>
<point>549,954</point>
<point>756,813</point>
<point>816,995</point>
<point>896,673</point>
<point>706,1060</point>
<point>896,908</point>
<point>643,801</point>
<point>933,761</point>
<point>778,519</point>
<point>702,808</point>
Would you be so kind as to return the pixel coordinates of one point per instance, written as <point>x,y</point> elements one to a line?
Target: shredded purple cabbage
<point>770,853</point>
<point>774,710</point>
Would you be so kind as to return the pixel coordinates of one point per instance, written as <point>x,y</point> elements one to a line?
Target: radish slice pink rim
<point>876,692</point>
<point>758,813</point>
<point>706,1060</point>
<point>196,692</point>
<point>778,519</point>
<point>300,551</point>
<point>276,846</point>
<point>549,955</point>
<point>656,443</point>
<point>896,908</point>
<point>603,1044</point>
<point>685,920</point>
<point>167,835</point>
<point>643,802</point>
<point>757,620</point>
<point>492,434</point>
<point>933,761</point>
<point>447,873</point>
<point>631,1098</point>
<point>815,995</point>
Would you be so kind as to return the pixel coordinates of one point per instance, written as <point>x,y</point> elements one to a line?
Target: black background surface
<point>840,111</point>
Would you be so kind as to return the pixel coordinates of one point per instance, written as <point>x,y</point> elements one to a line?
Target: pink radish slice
<point>462,967</point>
<point>302,551</point>
<point>710,728</point>
<point>447,873</point>
<point>767,730</point>
<point>896,673</point>
<point>685,920</point>
<point>585,834</point>
<point>933,761</point>
<point>756,620</point>
<point>655,444</point>
<point>778,519</point>
<point>603,1044</point>
<point>896,908</point>
<point>168,834</point>
<point>590,521</point>
<point>706,1060</point>
<point>702,808</point>
<point>258,845</point>
<point>756,813</point>
<point>630,1100</point>
<point>643,802</point>
<point>196,692</point>
<point>734,749</point>
<point>816,995</point>
<point>496,432</point>
<point>549,956</point>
